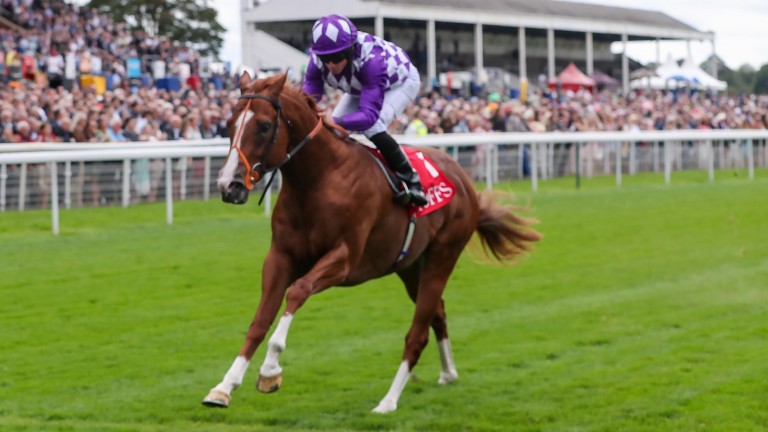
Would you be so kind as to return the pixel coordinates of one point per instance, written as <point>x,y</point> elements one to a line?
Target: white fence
<point>187,169</point>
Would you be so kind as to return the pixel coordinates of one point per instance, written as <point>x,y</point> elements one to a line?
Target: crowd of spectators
<point>585,111</point>
<point>51,30</point>
<point>55,108</point>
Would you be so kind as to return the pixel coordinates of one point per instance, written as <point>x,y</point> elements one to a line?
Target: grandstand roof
<point>557,8</point>
<point>612,21</point>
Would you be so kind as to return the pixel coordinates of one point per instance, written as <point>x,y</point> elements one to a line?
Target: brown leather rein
<point>259,169</point>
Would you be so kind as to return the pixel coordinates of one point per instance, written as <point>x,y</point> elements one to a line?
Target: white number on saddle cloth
<point>432,170</point>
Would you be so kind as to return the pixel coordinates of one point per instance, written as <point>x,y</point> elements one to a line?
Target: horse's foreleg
<point>271,374</point>
<point>274,280</point>
<point>330,270</point>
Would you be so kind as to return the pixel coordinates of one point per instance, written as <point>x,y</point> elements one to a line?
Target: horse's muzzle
<point>237,193</point>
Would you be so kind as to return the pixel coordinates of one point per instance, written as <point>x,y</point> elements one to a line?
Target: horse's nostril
<point>235,193</point>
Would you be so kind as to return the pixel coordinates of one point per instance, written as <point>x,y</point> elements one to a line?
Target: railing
<point>491,157</point>
<point>542,149</point>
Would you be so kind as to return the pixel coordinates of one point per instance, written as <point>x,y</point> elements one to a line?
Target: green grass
<point>643,309</point>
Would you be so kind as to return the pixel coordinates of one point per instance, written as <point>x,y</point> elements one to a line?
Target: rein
<point>259,169</point>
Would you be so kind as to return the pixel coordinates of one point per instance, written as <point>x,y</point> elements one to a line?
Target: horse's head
<point>257,141</point>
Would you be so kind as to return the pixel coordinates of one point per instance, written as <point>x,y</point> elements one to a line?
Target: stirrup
<point>408,197</point>
<point>418,198</point>
<point>402,197</point>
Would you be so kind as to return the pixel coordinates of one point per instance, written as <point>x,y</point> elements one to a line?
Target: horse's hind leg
<point>448,371</point>
<point>433,275</point>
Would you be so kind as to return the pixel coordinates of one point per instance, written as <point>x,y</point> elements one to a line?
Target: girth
<point>393,181</point>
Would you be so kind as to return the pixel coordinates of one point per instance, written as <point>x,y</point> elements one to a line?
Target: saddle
<point>437,187</point>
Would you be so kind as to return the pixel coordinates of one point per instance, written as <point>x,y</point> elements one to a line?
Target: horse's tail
<point>503,234</point>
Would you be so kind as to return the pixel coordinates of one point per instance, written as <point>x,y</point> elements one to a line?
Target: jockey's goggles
<point>336,57</point>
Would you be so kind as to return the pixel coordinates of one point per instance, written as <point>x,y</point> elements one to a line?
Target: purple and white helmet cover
<point>332,33</point>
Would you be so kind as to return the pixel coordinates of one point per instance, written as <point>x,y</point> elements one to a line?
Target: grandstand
<point>523,37</point>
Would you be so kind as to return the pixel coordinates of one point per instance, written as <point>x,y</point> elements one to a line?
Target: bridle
<point>259,169</point>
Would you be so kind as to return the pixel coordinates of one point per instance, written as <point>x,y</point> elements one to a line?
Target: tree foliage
<point>191,22</point>
<point>761,80</point>
<point>739,80</point>
<point>743,80</point>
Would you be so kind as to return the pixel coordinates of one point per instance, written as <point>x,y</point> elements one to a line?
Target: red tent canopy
<point>571,78</point>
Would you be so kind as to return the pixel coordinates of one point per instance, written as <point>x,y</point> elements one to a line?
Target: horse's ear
<point>245,79</point>
<point>276,84</point>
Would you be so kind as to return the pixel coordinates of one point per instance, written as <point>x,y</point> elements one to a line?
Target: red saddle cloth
<point>438,189</point>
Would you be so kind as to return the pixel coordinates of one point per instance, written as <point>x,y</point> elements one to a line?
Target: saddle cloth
<point>437,187</point>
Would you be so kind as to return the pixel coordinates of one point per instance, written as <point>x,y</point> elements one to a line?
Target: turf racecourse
<point>644,308</point>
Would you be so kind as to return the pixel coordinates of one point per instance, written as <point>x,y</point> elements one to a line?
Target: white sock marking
<point>389,403</point>
<point>234,376</point>
<point>448,373</point>
<point>271,366</point>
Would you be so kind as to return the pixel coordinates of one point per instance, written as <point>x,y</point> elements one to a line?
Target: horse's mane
<point>290,90</point>
<point>296,93</point>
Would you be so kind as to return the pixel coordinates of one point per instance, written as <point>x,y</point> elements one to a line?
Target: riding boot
<point>399,163</point>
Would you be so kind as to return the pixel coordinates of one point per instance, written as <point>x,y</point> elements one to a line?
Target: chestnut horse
<point>335,224</point>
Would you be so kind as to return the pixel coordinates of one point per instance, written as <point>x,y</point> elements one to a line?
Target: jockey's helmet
<point>332,34</point>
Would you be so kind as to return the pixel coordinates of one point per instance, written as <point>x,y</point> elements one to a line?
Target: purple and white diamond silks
<point>376,68</point>
<point>373,55</point>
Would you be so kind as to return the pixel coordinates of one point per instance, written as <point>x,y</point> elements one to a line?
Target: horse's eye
<point>264,127</point>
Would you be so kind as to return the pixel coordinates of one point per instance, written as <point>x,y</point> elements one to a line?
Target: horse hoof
<point>271,384</point>
<point>385,407</point>
<point>217,399</point>
<point>447,378</point>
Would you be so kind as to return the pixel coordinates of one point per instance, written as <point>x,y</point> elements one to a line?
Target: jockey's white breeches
<point>396,100</point>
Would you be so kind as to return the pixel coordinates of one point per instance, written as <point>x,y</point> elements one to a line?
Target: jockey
<point>379,81</point>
